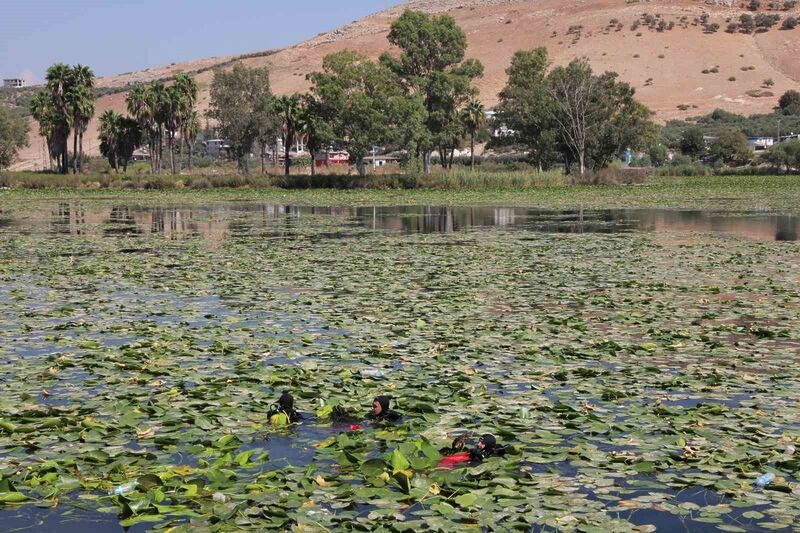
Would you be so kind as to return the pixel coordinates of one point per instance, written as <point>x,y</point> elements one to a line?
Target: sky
<point>113,37</point>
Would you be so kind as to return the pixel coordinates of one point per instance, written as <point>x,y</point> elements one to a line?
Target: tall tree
<point>190,129</point>
<point>473,117</point>
<point>13,135</point>
<point>526,108</point>
<point>597,116</point>
<point>236,97</point>
<point>364,105</point>
<point>81,100</point>
<point>43,109</point>
<point>289,109</point>
<point>143,106</point>
<point>431,65</point>
<point>268,128</point>
<point>59,81</point>
<point>119,137</point>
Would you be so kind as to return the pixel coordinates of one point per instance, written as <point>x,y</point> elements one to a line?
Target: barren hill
<point>664,61</point>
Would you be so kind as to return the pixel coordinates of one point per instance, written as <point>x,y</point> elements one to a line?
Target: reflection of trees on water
<point>215,222</point>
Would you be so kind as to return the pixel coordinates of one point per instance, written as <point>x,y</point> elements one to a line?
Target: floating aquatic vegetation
<point>640,380</point>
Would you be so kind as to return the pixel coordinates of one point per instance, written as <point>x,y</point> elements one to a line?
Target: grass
<point>726,193</point>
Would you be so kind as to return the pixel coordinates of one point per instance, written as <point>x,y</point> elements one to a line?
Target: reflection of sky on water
<point>217,221</point>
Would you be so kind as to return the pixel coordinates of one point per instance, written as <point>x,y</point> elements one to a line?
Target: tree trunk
<point>450,160</point>
<point>75,151</point>
<point>80,153</point>
<point>171,141</point>
<point>472,151</point>
<point>362,169</point>
<point>189,143</point>
<point>287,146</point>
<point>263,158</point>
<point>313,163</point>
<point>426,162</point>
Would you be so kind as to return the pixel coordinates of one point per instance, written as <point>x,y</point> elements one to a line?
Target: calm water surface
<point>217,220</point>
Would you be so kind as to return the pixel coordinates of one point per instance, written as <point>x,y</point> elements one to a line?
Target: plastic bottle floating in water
<point>765,479</point>
<point>373,373</point>
<point>124,489</point>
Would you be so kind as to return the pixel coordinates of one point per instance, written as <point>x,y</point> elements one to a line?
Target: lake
<point>639,366</point>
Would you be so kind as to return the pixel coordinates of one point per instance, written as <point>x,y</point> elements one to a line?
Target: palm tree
<point>143,105</point>
<point>288,108</point>
<point>190,129</point>
<point>59,81</point>
<point>109,135</point>
<point>473,117</point>
<point>43,110</point>
<point>82,107</point>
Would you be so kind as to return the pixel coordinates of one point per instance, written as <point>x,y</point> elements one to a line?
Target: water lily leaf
<point>467,500</point>
<point>12,497</point>
<point>398,461</point>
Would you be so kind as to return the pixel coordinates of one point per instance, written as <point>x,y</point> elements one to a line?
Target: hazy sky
<point>121,36</point>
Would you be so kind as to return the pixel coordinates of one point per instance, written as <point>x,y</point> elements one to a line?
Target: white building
<point>14,83</point>
<point>759,144</point>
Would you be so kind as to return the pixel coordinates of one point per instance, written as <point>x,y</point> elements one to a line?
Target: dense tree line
<point>421,101</point>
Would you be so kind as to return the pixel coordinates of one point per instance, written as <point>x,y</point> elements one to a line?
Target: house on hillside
<point>14,83</point>
<point>760,144</point>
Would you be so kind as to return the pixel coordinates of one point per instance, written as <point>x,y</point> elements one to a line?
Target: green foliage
<point>238,98</point>
<point>364,105</point>
<point>13,135</point>
<point>785,155</point>
<point>692,143</point>
<point>526,106</point>
<point>597,116</point>
<point>431,67</point>
<point>658,154</point>
<point>119,137</point>
<point>789,103</point>
<point>718,121</point>
<point>731,148</point>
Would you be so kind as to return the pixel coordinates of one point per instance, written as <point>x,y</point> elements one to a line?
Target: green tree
<point>789,102</point>
<point>431,67</point>
<point>59,82</point>
<point>313,128</point>
<point>731,148</point>
<point>190,129</point>
<point>526,106</point>
<point>692,142</point>
<point>119,137</point>
<point>473,117</point>
<point>659,155</point>
<point>236,97</point>
<point>364,105</point>
<point>13,135</point>
<point>268,129</point>
<point>289,109</point>
<point>51,126</point>
<point>784,155</point>
<point>597,116</point>
<point>80,102</point>
<point>144,104</point>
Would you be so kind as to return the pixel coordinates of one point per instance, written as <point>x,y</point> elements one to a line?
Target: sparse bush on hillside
<point>789,23</point>
<point>754,5</point>
<point>711,28</point>
<point>765,21</point>
<point>747,23</point>
<point>768,82</point>
<point>733,27</point>
<point>789,4</point>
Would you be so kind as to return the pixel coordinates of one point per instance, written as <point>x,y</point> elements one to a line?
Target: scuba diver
<point>285,407</point>
<point>382,412</point>
<point>487,447</point>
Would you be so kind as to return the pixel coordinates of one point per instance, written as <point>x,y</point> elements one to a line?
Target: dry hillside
<point>666,67</point>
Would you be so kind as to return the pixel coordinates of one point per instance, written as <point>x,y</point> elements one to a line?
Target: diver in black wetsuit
<point>285,406</point>
<point>382,412</point>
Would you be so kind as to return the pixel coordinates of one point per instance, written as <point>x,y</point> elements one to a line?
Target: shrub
<point>754,5</point>
<point>732,78</point>
<point>768,82</point>
<point>789,23</point>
